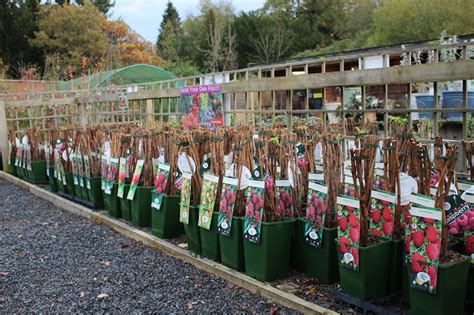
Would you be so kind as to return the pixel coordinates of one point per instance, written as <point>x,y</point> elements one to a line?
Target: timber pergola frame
<point>254,87</point>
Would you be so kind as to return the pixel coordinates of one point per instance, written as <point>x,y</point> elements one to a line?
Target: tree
<point>126,47</point>
<point>18,22</point>
<point>170,34</point>
<point>103,5</point>
<point>68,33</point>
<point>402,21</point>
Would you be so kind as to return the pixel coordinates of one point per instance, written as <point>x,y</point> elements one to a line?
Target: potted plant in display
<point>37,162</point>
<point>212,169</point>
<point>142,180</point>
<point>360,255</point>
<point>437,275</point>
<point>237,148</point>
<point>316,231</point>
<point>165,196</point>
<point>124,176</point>
<point>92,142</point>
<point>190,182</point>
<point>12,145</point>
<point>111,169</point>
<point>268,227</point>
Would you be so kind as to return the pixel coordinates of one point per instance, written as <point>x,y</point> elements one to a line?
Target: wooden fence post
<point>149,109</point>
<point>4,135</point>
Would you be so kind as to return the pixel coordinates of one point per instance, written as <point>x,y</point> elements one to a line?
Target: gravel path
<point>55,261</point>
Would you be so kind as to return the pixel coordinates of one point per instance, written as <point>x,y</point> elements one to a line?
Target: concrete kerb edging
<point>236,278</point>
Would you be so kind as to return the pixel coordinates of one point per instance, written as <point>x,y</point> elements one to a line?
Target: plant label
<point>348,231</point>
<point>254,203</point>
<point>159,186</point>
<point>111,174</point>
<point>382,213</point>
<point>284,200</point>
<point>208,199</point>
<point>315,214</point>
<point>121,179</point>
<point>87,170</point>
<point>226,207</point>
<point>103,172</point>
<point>425,243</point>
<point>185,198</point>
<point>135,179</point>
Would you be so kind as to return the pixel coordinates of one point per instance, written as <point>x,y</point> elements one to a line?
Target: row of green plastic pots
<point>36,174</point>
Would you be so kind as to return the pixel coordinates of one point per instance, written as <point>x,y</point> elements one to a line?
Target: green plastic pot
<point>85,192</point>
<point>371,280</point>
<point>53,184</point>
<point>470,286</point>
<point>60,184</point>
<point>95,193</point>
<point>38,172</point>
<point>450,292</point>
<point>270,258</point>
<point>232,246</point>
<point>165,222</point>
<point>192,231</point>
<point>70,184</point>
<point>19,172</point>
<point>210,240</point>
<point>112,204</point>
<point>141,207</point>
<point>78,191</point>
<point>318,262</point>
<point>12,168</point>
<point>396,266</point>
<point>125,204</point>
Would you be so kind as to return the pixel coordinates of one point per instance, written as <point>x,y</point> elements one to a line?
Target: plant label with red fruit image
<point>208,199</point>
<point>379,179</point>
<point>226,207</point>
<point>87,171</point>
<point>348,231</point>
<point>159,187</point>
<point>465,223</point>
<point>458,213</point>
<point>103,171</point>
<point>284,200</point>
<point>185,202</point>
<point>349,186</point>
<point>425,243</point>
<point>254,203</point>
<point>121,179</point>
<point>382,213</point>
<point>135,179</point>
<point>111,174</point>
<point>315,214</point>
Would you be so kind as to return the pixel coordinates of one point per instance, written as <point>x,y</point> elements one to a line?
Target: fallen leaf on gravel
<point>4,273</point>
<point>2,300</point>
<point>83,294</point>
<point>183,245</point>
<point>103,296</point>
<point>106,263</point>
<point>190,306</point>
<point>312,290</point>
<point>19,237</point>
<point>273,309</point>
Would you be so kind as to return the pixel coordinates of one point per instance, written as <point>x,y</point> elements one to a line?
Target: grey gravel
<point>55,261</point>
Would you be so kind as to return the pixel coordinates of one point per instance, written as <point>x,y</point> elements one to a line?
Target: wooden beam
<point>4,135</point>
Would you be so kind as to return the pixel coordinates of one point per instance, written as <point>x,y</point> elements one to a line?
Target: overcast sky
<point>144,16</point>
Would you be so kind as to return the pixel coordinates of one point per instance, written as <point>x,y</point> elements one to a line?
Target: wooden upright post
<point>150,118</point>
<point>4,135</point>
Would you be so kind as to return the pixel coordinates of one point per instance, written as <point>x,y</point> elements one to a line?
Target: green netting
<point>135,74</point>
